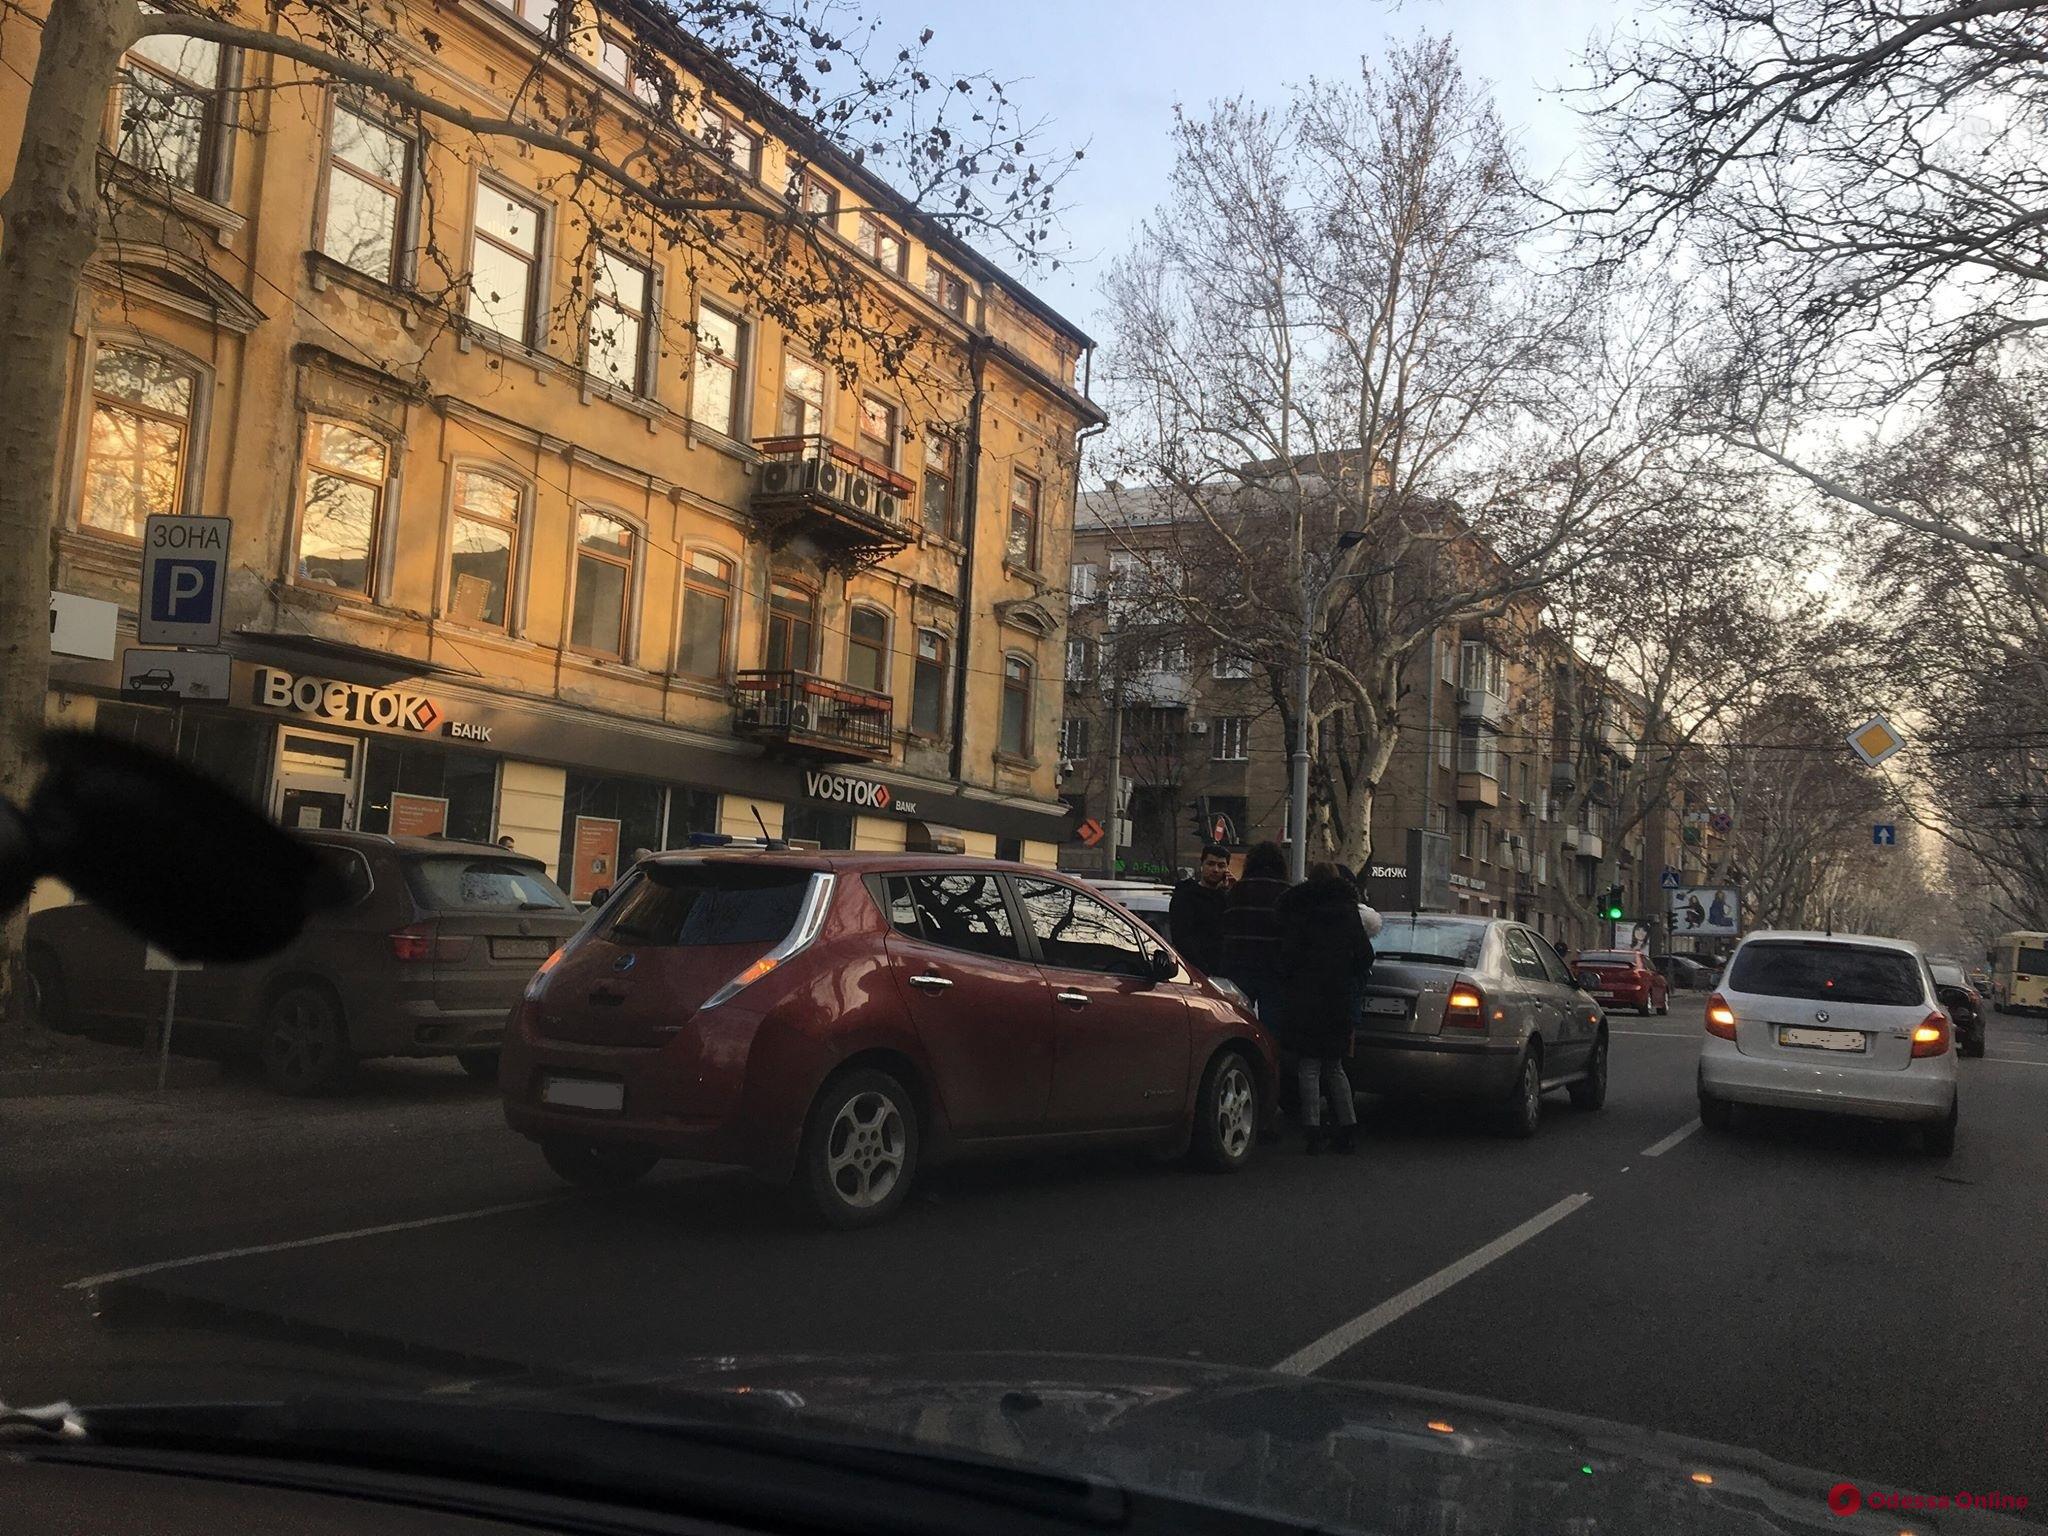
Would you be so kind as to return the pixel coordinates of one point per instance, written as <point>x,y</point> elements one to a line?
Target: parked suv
<point>836,1022</point>
<point>1842,1023</point>
<point>426,959</point>
<point>1624,978</point>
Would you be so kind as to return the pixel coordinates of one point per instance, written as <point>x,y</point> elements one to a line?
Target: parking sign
<point>184,578</point>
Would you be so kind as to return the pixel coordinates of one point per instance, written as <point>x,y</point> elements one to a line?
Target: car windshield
<point>1949,975</point>
<point>684,906</point>
<point>1427,941</point>
<point>482,883</point>
<point>1827,972</point>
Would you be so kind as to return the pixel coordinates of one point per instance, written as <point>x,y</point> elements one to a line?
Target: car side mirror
<point>1161,965</point>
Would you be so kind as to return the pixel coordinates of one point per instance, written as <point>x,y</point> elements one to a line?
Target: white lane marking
<point>311,1242</point>
<point>2014,1061</point>
<point>1313,1357</point>
<point>1655,1034</point>
<point>1659,1148</point>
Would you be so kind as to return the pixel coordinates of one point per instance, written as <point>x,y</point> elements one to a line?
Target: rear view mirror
<point>1162,965</point>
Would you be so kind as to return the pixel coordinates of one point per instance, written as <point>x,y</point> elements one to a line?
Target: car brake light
<point>1931,1037</point>
<point>1465,1008</point>
<point>539,979</point>
<point>414,943</point>
<point>1720,1017</point>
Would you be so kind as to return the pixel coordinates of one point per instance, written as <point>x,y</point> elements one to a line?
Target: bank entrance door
<point>315,779</point>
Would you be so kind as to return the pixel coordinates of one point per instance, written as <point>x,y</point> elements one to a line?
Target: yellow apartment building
<point>593,575</point>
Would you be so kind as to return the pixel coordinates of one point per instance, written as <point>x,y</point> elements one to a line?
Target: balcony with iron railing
<point>853,507</point>
<point>811,715</point>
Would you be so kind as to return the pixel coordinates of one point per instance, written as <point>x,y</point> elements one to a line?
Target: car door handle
<point>931,983</point>
<point>1073,999</point>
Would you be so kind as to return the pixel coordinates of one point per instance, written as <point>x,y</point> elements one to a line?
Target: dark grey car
<point>1478,1009</point>
<point>426,959</point>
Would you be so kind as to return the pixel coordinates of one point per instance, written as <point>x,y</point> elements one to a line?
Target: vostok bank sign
<point>395,709</point>
<point>868,794</point>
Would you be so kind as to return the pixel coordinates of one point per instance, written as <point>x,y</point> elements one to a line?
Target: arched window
<point>792,627</point>
<point>867,649</point>
<point>707,611</point>
<point>341,508</point>
<point>1016,728</point>
<point>138,439</point>
<point>483,547</point>
<point>606,549</point>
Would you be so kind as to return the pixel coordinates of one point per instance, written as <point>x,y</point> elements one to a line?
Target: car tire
<point>1939,1139</point>
<point>1716,1114</point>
<point>48,1004</point>
<point>481,1065</point>
<point>1590,1091</point>
<point>1525,1101</point>
<point>862,1128</point>
<point>1227,1120</point>
<point>1664,1006</point>
<point>595,1164</point>
<point>1642,1010</point>
<point>302,1041</point>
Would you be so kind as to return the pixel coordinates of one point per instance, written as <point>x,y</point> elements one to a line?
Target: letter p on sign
<point>184,577</point>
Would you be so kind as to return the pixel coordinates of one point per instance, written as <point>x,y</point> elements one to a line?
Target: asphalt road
<point>1817,1290</point>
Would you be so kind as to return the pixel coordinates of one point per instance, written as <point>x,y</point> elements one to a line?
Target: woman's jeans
<point>1317,1076</point>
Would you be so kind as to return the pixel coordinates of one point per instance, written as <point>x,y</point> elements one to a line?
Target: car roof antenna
<point>773,844</point>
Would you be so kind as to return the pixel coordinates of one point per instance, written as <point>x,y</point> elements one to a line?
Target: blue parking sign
<point>184,578</point>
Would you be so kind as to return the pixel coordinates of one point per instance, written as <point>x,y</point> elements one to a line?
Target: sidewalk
<point>40,1063</point>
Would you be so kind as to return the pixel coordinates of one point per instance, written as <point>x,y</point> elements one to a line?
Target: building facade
<point>591,555</point>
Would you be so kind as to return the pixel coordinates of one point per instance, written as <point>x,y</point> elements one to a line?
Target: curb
<point>49,1082</point>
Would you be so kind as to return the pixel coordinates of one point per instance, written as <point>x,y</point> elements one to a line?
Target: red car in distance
<point>838,1021</point>
<point>1624,978</point>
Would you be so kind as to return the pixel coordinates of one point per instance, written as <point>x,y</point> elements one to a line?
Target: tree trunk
<point>49,227</point>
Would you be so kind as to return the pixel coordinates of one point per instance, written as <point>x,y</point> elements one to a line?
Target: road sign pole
<point>163,1056</point>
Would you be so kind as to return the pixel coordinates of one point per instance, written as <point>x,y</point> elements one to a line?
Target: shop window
<point>792,628</point>
<point>504,262</point>
<point>867,649</point>
<point>638,806</point>
<point>137,442</point>
<point>1011,848</point>
<point>707,608</point>
<point>605,550</point>
<point>715,391</point>
<point>1016,722</point>
<point>342,506</point>
<point>369,181</point>
<point>615,344</point>
<point>143,725</point>
<point>422,790</point>
<point>229,749</point>
<point>168,118</point>
<point>928,685</point>
<point>827,828</point>
<point>483,548</point>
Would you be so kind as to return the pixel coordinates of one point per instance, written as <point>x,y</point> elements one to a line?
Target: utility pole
<point>1297,815</point>
<point>1116,762</point>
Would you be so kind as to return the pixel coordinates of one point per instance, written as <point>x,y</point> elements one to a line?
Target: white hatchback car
<point>1841,1023</point>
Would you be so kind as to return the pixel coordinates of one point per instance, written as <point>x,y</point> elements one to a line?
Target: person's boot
<point>1345,1140</point>
<point>1314,1134</point>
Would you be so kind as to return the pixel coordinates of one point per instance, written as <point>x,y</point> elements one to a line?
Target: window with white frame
<point>1230,738</point>
<point>1080,659</point>
<point>1076,737</point>
<point>1465,834</point>
<point>1083,578</point>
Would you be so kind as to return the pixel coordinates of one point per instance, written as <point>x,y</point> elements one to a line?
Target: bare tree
<point>1862,179</point>
<point>1359,406</point>
<point>660,174</point>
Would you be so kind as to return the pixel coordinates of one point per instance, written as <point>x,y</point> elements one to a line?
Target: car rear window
<point>480,883</point>
<point>1605,957</point>
<point>1950,975</point>
<point>1430,942</point>
<point>685,906</point>
<point>1824,972</point>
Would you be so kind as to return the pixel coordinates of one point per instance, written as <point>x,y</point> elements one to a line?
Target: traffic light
<point>1610,905</point>
<point>1199,810</point>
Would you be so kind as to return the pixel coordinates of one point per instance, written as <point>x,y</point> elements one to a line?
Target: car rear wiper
<point>766,1475</point>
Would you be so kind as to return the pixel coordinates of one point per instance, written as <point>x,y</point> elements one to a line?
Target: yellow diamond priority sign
<point>1875,741</point>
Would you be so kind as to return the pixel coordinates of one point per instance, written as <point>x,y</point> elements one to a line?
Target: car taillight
<point>414,943</point>
<point>539,979</point>
<point>1930,1037</point>
<point>1465,1008</point>
<point>1720,1017</point>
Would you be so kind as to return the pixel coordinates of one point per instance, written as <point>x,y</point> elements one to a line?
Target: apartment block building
<point>574,546</point>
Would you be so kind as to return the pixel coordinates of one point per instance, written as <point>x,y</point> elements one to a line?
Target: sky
<point>1108,73</point>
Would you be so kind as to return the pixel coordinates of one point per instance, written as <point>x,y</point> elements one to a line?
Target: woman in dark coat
<point>1251,940</point>
<point>1324,955</point>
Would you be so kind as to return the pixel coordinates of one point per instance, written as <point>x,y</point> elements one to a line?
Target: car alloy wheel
<point>1226,1130</point>
<point>1590,1092</point>
<point>860,1149</point>
<point>1526,1110</point>
<point>304,1047</point>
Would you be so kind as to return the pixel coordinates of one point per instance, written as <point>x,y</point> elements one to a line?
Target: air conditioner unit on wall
<point>860,493</point>
<point>1198,727</point>
<point>828,479</point>
<point>782,477</point>
<point>888,505</point>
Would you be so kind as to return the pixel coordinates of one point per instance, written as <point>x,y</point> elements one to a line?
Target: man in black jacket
<point>1195,915</point>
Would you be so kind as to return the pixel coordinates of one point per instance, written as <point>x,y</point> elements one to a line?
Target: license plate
<point>1392,1005</point>
<point>583,1093</point>
<point>1824,1039</point>
<point>1605,997</point>
<point>520,949</point>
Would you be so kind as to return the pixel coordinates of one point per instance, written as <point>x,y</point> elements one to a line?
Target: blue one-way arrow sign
<point>1884,834</point>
